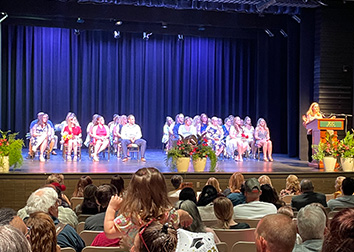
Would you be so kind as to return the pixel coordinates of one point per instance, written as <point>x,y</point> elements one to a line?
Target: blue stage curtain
<point>55,71</point>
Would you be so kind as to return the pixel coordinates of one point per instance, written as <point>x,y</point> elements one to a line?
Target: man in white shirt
<point>253,208</point>
<point>131,134</point>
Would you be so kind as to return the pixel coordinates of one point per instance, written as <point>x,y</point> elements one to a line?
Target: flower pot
<point>182,164</point>
<point>4,164</point>
<point>199,164</point>
<point>347,164</point>
<point>329,163</point>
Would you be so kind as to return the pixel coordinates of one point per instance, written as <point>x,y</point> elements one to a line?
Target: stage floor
<point>156,158</point>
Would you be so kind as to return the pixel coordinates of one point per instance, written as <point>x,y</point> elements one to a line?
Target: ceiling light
<point>146,35</point>
<point>296,18</point>
<point>282,32</point>
<point>180,36</point>
<point>270,34</point>
<point>76,31</point>
<point>3,16</point>
<point>116,34</point>
<point>119,22</point>
<point>80,20</point>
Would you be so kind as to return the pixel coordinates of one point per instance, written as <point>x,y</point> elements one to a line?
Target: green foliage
<point>347,145</point>
<point>12,147</point>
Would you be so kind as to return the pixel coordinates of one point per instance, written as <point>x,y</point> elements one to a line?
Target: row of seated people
<point>234,136</point>
<point>145,201</point>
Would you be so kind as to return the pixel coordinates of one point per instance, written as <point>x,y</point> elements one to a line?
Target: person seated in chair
<point>71,136</point>
<point>100,134</point>
<point>131,134</point>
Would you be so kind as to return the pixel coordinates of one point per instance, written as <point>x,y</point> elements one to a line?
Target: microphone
<point>322,114</point>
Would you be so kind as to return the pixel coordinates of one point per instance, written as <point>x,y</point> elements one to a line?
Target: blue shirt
<point>36,121</point>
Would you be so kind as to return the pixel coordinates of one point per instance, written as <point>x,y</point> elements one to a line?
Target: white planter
<point>347,164</point>
<point>329,163</point>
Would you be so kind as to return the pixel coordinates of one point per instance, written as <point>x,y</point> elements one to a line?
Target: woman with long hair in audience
<point>248,130</point>
<point>166,134</point>
<point>265,179</point>
<point>80,186</point>
<point>197,225</point>
<point>214,182</point>
<point>234,193</point>
<point>292,186</point>
<point>224,211</point>
<point>145,200</point>
<point>188,193</point>
<point>42,233</point>
<point>270,195</point>
<point>215,135</point>
<point>338,186</point>
<point>71,136</point>
<point>89,204</point>
<point>100,134</point>
<point>262,137</point>
<point>204,123</point>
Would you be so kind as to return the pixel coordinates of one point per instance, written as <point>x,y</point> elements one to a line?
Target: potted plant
<point>10,151</point>
<point>346,151</point>
<point>327,151</point>
<point>200,152</point>
<point>179,155</point>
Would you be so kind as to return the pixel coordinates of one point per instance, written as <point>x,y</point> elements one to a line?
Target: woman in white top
<point>166,133</point>
<point>187,128</point>
<point>237,140</point>
<point>248,130</point>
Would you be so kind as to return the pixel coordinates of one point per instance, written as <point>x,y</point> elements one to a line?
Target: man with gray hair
<point>46,200</point>
<point>311,225</point>
<point>8,216</point>
<point>12,240</point>
<point>307,196</point>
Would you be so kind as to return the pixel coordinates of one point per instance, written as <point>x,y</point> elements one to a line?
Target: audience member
<point>340,237</point>
<point>286,210</point>
<point>8,216</point>
<point>188,193</point>
<point>205,202</point>
<point>118,182</point>
<point>275,233</point>
<point>235,183</point>
<point>214,182</point>
<point>146,199</point>
<point>12,240</point>
<point>59,178</point>
<point>176,181</point>
<point>307,196</point>
<point>347,200</point>
<point>269,195</point>
<point>253,208</point>
<point>224,212</point>
<point>337,186</point>
<point>197,225</point>
<point>64,201</point>
<point>89,204</point>
<point>81,184</point>
<point>42,233</point>
<point>311,225</point>
<point>46,200</point>
<point>292,186</point>
<point>264,179</point>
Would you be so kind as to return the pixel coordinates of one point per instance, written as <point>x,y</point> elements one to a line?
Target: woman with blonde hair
<point>338,186</point>
<point>262,137</point>
<point>264,179</point>
<point>214,182</point>
<point>292,186</point>
<point>234,191</point>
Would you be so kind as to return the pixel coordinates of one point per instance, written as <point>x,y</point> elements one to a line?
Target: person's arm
<point>256,134</point>
<point>138,133</point>
<point>110,228</point>
<point>268,135</point>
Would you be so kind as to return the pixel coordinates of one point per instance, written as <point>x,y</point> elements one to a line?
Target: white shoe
<point>41,158</point>
<point>68,158</point>
<point>75,159</point>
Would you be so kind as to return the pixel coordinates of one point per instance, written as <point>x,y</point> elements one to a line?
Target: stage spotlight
<point>80,20</point>
<point>119,22</point>
<point>180,37</point>
<point>116,34</point>
<point>282,32</point>
<point>3,16</point>
<point>296,18</point>
<point>270,34</point>
<point>262,5</point>
<point>77,32</point>
<point>146,35</point>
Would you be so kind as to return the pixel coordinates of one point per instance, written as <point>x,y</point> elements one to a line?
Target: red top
<point>75,131</point>
<point>102,241</point>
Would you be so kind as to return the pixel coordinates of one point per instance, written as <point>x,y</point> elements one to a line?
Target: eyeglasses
<point>28,231</point>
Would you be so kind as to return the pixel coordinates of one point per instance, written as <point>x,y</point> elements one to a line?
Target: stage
<point>16,186</point>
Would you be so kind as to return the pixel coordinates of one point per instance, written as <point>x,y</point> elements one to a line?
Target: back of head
<point>155,237</point>
<point>292,183</point>
<point>223,210</point>
<point>340,237</point>
<point>207,195</point>
<point>6,216</point>
<point>264,179</point>
<point>42,232</point>
<point>90,191</point>
<point>192,209</point>
<point>277,232</point>
<point>81,184</point>
<point>118,182</point>
<point>235,181</point>
<point>311,222</point>
<point>214,182</point>
<point>188,193</point>
<point>55,177</point>
<point>348,186</point>
<point>252,189</point>
<point>268,194</point>
<point>338,183</point>
<point>104,194</point>
<point>286,210</point>
<point>146,195</point>
<point>306,185</point>
<point>12,240</point>
<point>176,181</point>
<point>41,200</point>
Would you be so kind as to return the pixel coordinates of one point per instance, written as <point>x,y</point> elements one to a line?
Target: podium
<point>319,128</point>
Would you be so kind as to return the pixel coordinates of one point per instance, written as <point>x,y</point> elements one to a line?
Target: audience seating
<point>88,236</point>
<point>232,236</point>
<point>68,249</point>
<point>329,197</point>
<point>83,217</point>
<point>103,249</point>
<point>75,201</point>
<point>251,222</point>
<point>243,246</point>
<point>80,227</point>
<point>222,247</point>
<point>287,199</point>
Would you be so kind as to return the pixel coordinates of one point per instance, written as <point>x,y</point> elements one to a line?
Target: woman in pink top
<point>100,134</point>
<point>71,136</point>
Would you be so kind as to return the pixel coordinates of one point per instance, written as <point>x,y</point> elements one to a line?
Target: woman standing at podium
<point>312,114</point>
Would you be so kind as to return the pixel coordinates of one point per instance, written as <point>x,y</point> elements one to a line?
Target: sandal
<point>265,159</point>
<point>270,159</point>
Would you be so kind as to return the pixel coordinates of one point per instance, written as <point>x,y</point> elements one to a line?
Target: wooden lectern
<point>319,128</point>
